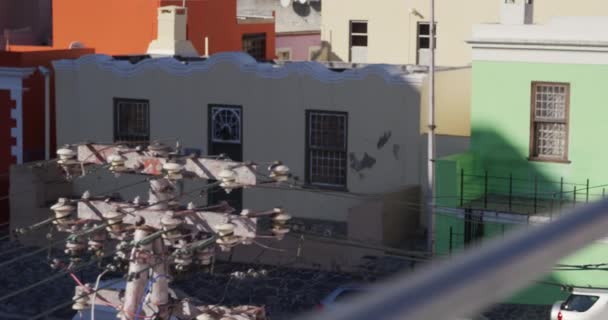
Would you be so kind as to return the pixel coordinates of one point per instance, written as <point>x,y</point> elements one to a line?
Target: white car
<point>582,304</point>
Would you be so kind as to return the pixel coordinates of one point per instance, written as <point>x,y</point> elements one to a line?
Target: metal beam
<point>144,162</point>
<point>200,220</point>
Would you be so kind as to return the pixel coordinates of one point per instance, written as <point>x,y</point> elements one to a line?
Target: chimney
<point>516,12</point>
<point>172,39</point>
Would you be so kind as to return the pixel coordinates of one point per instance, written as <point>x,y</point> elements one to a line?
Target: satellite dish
<point>285,3</point>
<point>76,45</point>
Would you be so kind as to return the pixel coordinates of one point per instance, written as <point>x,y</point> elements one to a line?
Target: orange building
<point>122,27</point>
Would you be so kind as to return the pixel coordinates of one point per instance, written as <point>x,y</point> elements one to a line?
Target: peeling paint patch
<point>384,139</point>
<point>396,149</point>
<point>367,162</point>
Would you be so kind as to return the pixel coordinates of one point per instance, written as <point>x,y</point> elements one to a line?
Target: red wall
<point>33,97</point>
<point>6,141</point>
<point>118,27</point>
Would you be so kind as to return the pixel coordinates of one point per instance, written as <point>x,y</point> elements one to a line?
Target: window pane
<point>550,139</point>
<point>424,43</point>
<point>359,41</point>
<point>424,29</point>
<point>358,27</point>
<point>579,303</point>
<point>327,144</point>
<point>226,124</point>
<point>255,45</point>
<point>131,121</point>
<point>550,102</point>
<point>328,167</point>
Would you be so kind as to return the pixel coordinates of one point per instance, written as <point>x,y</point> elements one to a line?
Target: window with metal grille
<point>255,45</point>
<point>131,121</point>
<point>549,128</point>
<point>326,148</point>
<point>358,33</point>
<point>424,35</point>
<point>226,124</point>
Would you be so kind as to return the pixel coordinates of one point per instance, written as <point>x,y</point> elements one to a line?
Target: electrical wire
<point>95,289</point>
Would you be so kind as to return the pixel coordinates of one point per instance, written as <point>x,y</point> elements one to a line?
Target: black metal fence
<point>524,195</point>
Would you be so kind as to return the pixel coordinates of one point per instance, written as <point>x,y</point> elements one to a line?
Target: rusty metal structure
<point>151,240</point>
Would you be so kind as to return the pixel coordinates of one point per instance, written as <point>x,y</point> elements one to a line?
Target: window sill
<point>537,159</point>
<point>313,186</point>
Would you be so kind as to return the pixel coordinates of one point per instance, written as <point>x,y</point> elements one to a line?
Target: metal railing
<point>524,195</point>
<point>468,283</point>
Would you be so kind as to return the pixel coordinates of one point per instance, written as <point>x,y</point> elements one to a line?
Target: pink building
<point>298,26</point>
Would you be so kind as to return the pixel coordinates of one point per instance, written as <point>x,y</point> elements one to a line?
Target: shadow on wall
<point>325,53</point>
<point>496,178</point>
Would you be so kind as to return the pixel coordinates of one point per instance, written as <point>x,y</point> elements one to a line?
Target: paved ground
<point>282,290</point>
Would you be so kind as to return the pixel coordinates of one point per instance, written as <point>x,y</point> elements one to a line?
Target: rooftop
<point>573,31</point>
<point>328,72</point>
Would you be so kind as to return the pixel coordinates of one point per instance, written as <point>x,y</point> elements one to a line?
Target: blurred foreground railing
<point>469,283</point>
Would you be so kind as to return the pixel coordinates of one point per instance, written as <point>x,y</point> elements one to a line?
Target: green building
<point>539,105</point>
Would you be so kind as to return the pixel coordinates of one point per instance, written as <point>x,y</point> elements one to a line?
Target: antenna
<point>285,3</point>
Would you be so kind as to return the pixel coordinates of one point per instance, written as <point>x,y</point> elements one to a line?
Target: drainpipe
<point>431,140</point>
<point>47,111</point>
<point>207,47</point>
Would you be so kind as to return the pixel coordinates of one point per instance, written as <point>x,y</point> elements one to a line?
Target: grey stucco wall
<point>383,123</point>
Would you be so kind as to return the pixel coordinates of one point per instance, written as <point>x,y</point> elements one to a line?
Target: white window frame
<point>425,36</point>
<point>284,50</point>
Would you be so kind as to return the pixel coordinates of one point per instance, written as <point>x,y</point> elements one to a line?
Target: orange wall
<point>128,26</point>
<point>110,26</point>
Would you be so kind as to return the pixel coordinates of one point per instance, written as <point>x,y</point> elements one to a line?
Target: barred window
<point>131,121</point>
<point>424,35</point>
<point>326,148</point>
<point>358,33</point>
<point>550,108</point>
<point>255,45</point>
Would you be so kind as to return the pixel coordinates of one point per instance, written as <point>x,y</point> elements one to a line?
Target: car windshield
<point>579,303</point>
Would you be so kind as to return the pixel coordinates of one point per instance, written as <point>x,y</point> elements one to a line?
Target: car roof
<point>589,291</point>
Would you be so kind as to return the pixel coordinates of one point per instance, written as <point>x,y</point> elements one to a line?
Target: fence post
<point>551,207</point>
<point>561,193</point>
<point>535,191</point>
<point>574,199</point>
<point>450,246</point>
<point>603,193</point>
<point>461,187</point>
<point>510,190</point>
<point>587,195</point>
<point>485,197</point>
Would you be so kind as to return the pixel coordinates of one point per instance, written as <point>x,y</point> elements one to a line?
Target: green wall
<point>500,119</point>
<point>500,136</point>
